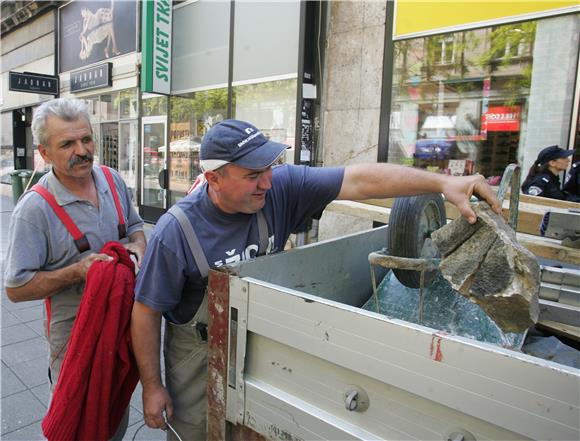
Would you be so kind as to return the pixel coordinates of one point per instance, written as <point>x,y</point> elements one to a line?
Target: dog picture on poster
<point>93,31</point>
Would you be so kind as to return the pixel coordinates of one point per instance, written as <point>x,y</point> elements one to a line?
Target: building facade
<point>28,45</point>
<point>450,87</point>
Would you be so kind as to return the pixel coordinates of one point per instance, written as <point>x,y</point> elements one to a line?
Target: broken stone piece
<point>485,263</point>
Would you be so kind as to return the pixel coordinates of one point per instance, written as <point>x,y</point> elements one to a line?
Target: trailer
<point>292,356</point>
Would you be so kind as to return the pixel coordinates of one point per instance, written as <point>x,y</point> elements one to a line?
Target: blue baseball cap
<point>237,142</point>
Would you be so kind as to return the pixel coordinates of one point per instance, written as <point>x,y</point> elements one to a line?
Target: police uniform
<point>545,184</point>
<point>572,184</point>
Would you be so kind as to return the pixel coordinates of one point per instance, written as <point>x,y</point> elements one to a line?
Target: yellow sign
<point>416,18</point>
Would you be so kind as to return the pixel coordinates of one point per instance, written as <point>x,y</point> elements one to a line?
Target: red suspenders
<point>121,227</point>
<point>80,239</point>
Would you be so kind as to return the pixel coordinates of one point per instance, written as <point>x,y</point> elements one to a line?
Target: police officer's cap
<point>551,153</point>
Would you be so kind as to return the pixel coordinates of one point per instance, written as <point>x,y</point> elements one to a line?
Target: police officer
<point>543,179</point>
<point>572,184</point>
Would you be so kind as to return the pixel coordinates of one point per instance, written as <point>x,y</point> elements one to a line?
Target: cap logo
<point>249,138</point>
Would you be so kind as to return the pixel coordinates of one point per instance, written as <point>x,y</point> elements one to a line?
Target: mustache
<point>77,159</point>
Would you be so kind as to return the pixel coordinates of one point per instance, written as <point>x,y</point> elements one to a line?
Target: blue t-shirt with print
<point>169,281</point>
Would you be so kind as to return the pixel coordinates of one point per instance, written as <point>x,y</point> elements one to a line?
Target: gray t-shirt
<point>38,240</point>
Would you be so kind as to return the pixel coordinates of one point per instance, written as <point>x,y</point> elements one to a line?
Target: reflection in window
<point>6,148</point>
<point>443,49</point>
<point>270,106</point>
<point>128,104</point>
<point>461,101</point>
<point>154,105</point>
<point>109,105</point>
<point>191,116</point>
<point>128,138</point>
<point>512,41</point>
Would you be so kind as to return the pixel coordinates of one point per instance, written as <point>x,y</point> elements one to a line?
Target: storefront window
<point>270,106</point>
<point>109,105</point>
<point>255,55</point>
<point>264,74</point>
<point>93,107</point>
<point>154,106</point>
<point>469,101</point>
<point>201,33</point>
<point>113,119</point>
<point>153,153</point>
<point>6,148</point>
<point>191,116</point>
<point>128,142</point>
<point>128,104</point>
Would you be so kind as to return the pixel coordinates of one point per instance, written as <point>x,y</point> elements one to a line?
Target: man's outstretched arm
<point>365,181</point>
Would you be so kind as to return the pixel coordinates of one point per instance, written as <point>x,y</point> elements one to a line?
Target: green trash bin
<point>39,174</point>
<point>17,188</point>
<point>20,180</point>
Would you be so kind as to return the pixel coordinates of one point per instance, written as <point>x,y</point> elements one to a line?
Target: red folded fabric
<point>99,371</point>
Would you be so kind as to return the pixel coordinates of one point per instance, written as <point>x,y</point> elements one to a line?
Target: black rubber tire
<point>411,223</point>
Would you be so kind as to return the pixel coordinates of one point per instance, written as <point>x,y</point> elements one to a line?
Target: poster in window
<point>93,31</point>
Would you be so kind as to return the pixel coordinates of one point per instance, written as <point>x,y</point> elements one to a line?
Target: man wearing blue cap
<point>246,208</point>
<point>543,178</point>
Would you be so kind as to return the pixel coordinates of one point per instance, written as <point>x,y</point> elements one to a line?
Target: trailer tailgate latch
<point>356,399</point>
<point>458,434</point>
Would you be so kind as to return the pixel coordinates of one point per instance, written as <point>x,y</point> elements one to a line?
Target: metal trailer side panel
<point>422,384</point>
<point>532,397</point>
<point>299,396</point>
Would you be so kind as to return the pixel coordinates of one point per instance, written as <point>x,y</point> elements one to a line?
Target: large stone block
<point>485,263</point>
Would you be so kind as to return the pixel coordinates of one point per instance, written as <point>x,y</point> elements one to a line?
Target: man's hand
<point>458,191</point>
<point>137,249</point>
<point>85,263</point>
<point>136,246</point>
<point>156,400</point>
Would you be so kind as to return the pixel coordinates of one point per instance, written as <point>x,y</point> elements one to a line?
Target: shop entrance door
<point>154,167</point>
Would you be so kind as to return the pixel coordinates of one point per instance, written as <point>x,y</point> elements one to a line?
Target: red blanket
<point>99,372</point>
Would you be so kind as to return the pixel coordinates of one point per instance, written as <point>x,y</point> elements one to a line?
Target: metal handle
<point>356,399</point>
<point>351,400</point>
<point>511,175</point>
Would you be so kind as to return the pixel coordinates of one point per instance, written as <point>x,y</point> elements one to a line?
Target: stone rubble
<point>485,263</point>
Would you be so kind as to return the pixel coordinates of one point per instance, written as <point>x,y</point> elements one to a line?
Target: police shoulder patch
<point>534,191</point>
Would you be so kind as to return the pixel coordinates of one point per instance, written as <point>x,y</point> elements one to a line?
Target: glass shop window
<point>270,106</point>
<point>475,101</point>
<point>191,116</point>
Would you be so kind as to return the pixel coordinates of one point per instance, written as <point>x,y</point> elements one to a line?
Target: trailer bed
<point>289,347</point>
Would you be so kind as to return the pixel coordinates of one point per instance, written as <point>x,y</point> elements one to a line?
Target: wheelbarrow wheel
<point>411,223</point>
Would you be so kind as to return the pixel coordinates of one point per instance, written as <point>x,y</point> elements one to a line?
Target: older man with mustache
<point>44,261</point>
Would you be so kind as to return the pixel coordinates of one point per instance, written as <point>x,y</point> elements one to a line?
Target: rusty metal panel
<point>217,357</point>
<point>243,433</point>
